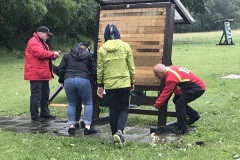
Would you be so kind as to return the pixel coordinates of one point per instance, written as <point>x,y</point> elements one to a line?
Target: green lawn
<point>219,107</point>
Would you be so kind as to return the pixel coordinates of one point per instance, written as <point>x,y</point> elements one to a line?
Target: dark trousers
<point>39,97</point>
<point>78,109</point>
<point>183,109</point>
<point>118,101</point>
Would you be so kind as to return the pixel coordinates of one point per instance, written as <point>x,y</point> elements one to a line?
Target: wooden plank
<point>144,76</point>
<point>151,30</point>
<point>150,112</point>
<point>143,100</point>
<point>131,24</point>
<point>146,88</point>
<point>150,54</point>
<point>139,46</point>
<point>139,32</point>
<point>138,35</point>
<point>101,40</point>
<point>146,43</point>
<point>157,51</point>
<point>139,39</point>
<point>145,51</point>
<point>130,39</point>
<point>131,18</point>
<point>127,15</point>
<point>147,81</point>
<point>148,73</point>
<point>144,67</point>
<point>143,111</point>
<point>109,16</point>
<point>134,22</point>
<point>147,61</point>
<point>57,105</point>
<point>133,10</point>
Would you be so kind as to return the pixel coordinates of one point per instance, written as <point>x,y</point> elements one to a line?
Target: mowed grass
<point>219,107</point>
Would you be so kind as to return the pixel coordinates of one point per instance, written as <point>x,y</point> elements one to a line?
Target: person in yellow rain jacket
<point>115,75</point>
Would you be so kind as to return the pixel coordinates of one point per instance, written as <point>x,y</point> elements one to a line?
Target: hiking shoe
<point>38,119</point>
<point>77,125</point>
<point>89,131</point>
<point>180,132</point>
<point>71,130</point>
<point>193,119</point>
<point>118,139</point>
<point>49,116</point>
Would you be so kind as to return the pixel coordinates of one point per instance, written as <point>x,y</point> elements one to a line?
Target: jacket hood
<point>111,32</point>
<point>112,45</point>
<point>79,53</point>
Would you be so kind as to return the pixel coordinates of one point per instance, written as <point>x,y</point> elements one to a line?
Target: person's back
<point>77,63</point>
<point>118,64</point>
<point>186,79</point>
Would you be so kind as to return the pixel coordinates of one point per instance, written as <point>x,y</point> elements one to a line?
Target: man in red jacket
<point>186,86</point>
<point>38,70</point>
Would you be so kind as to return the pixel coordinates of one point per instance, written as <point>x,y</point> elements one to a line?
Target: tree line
<point>69,19</point>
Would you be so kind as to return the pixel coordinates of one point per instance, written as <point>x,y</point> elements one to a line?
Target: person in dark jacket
<point>38,70</point>
<point>186,86</point>
<point>79,104</point>
<point>75,71</point>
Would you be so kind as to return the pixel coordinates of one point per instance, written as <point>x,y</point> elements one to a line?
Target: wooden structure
<point>147,25</point>
<point>226,32</point>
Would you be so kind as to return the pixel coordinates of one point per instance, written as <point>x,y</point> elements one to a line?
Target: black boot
<point>89,131</point>
<point>71,130</point>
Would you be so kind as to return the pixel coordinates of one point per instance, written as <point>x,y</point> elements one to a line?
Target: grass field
<point>219,107</point>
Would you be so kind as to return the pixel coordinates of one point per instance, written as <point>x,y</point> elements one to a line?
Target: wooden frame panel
<point>146,27</point>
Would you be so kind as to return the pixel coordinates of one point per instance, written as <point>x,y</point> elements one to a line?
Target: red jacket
<point>178,80</point>
<point>38,64</point>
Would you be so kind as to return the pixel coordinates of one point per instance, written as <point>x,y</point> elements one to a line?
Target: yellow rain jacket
<point>115,65</point>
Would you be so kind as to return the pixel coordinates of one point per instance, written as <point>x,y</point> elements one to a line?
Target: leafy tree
<point>70,18</point>
<point>17,17</point>
<point>195,6</point>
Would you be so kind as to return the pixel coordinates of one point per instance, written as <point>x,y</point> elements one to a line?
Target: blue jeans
<point>75,87</point>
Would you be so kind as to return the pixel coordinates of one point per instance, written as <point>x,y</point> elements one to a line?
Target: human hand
<point>132,87</point>
<point>100,91</point>
<point>155,106</point>
<point>57,54</point>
